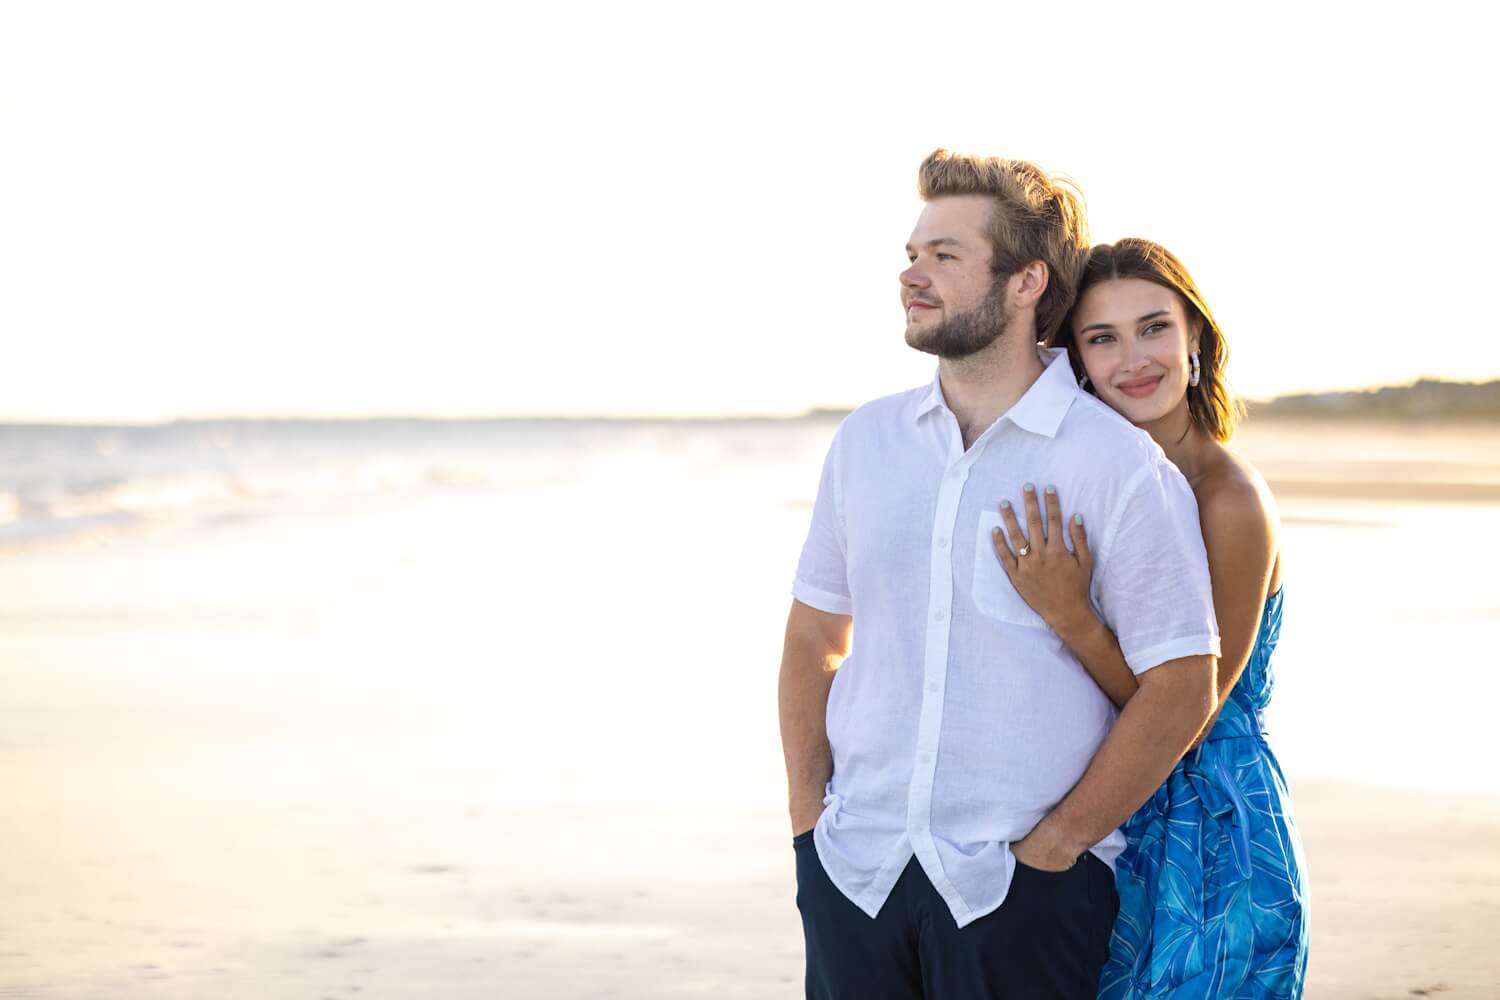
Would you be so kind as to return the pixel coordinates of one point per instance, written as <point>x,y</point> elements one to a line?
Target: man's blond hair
<point>1036,217</point>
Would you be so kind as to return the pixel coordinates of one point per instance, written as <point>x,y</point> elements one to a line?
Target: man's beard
<point>965,333</point>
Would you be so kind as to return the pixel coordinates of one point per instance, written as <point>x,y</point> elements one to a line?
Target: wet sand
<point>408,896</point>
<point>1406,892</point>
<point>447,745</point>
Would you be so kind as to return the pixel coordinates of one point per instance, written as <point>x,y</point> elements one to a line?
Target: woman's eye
<point>1101,338</point>
<point>1155,327</point>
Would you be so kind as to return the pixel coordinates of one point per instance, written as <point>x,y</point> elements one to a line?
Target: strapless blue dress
<point>1213,884</point>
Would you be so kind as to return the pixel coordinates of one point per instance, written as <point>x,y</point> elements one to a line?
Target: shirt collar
<point>1040,410</point>
<point>932,399</point>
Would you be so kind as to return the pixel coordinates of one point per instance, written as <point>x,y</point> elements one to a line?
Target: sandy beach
<point>444,741</point>
<point>463,899</point>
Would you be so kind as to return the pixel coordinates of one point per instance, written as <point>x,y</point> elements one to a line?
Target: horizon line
<point>812,412</point>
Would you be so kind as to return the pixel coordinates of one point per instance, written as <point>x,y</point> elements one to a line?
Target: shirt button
<point>934,687</point>
<point>926,758</point>
<point>942,543</point>
<point>939,615</point>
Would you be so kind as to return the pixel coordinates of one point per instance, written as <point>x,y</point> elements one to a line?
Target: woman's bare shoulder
<point>1232,495</point>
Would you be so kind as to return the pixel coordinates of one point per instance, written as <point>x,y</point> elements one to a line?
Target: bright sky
<point>353,208</point>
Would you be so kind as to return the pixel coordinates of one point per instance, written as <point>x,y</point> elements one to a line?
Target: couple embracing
<point>1029,649</point>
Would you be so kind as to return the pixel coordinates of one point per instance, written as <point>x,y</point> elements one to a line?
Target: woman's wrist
<point>1077,625</point>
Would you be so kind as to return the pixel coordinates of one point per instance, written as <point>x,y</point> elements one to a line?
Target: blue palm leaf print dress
<point>1213,885</point>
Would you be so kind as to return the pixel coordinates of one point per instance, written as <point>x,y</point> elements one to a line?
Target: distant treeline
<point>1427,399</point>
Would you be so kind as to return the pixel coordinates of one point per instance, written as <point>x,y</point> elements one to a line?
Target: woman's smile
<point>1140,388</point>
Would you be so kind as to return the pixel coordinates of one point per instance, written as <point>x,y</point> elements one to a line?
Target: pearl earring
<point>1197,371</point>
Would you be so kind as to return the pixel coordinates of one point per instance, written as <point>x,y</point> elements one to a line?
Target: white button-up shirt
<point>959,719</point>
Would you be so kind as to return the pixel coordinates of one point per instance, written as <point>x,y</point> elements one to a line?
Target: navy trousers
<point>1049,939</point>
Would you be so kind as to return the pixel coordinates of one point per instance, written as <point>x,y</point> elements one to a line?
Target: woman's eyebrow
<point>1111,326</point>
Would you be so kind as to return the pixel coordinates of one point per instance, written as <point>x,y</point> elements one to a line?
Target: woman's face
<point>1133,337</point>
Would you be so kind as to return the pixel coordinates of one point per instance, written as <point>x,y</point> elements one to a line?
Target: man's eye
<point>946,256</point>
<point>911,258</point>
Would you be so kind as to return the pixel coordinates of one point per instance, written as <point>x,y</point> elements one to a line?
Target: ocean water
<point>594,565</point>
<point>645,565</point>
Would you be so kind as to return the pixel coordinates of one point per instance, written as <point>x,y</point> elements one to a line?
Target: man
<point>956,778</point>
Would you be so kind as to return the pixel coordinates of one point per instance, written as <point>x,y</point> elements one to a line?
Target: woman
<point>1213,891</point>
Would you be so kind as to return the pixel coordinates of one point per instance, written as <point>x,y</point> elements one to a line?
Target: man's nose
<point>914,277</point>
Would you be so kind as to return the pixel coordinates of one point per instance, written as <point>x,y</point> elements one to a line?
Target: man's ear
<point>1028,284</point>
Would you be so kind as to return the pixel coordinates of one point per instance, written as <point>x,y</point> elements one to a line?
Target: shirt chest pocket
<point>992,591</point>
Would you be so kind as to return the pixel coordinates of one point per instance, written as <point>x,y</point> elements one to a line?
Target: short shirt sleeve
<point>1151,583</point>
<point>822,578</point>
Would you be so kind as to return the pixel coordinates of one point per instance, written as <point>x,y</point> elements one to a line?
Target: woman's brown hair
<point>1210,403</point>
